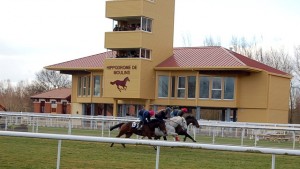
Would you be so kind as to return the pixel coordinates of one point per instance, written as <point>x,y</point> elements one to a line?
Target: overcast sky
<point>38,33</point>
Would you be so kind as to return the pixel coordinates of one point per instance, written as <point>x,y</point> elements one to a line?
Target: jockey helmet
<point>184,110</point>
<point>152,113</point>
<point>168,110</point>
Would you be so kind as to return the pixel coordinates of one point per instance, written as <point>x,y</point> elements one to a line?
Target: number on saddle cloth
<point>134,124</point>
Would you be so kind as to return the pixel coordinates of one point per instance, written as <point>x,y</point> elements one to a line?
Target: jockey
<point>177,112</point>
<point>182,111</point>
<point>162,114</point>
<point>144,116</point>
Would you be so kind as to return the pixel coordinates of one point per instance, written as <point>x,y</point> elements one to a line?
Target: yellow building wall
<point>279,93</point>
<point>278,100</point>
<point>76,108</point>
<point>277,116</point>
<point>252,90</point>
<point>115,8</point>
<point>252,115</point>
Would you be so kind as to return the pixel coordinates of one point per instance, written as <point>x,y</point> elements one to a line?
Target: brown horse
<point>121,83</point>
<point>147,130</point>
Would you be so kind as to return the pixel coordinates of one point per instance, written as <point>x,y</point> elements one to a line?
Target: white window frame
<point>216,89</point>
<point>181,88</point>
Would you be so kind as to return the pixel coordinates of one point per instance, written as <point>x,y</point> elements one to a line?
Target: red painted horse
<point>121,83</point>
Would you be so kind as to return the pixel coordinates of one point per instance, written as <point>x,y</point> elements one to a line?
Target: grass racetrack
<point>29,153</point>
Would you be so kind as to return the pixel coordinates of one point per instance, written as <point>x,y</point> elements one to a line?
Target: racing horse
<point>122,83</point>
<point>180,130</point>
<point>172,124</point>
<point>147,130</point>
<point>190,120</point>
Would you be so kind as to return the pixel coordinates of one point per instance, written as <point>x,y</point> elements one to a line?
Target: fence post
<point>157,157</point>
<point>294,139</point>
<point>273,161</point>
<point>6,123</point>
<point>69,126</point>
<point>242,137</point>
<point>58,154</point>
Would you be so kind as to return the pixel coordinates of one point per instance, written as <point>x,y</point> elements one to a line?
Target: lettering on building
<point>122,69</point>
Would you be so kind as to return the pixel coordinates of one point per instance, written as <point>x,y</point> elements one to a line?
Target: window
<point>173,87</point>
<point>84,86</point>
<point>216,92</point>
<point>204,87</point>
<point>88,82</point>
<point>228,88</point>
<point>163,86</point>
<point>146,24</point>
<point>138,23</point>
<point>79,86</point>
<point>191,86</point>
<point>131,53</point>
<point>181,87</point>
<point>53,106</point>
<point>145,53</point>
<point>97,86</point>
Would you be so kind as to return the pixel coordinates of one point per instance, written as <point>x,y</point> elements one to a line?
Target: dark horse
<point>147,130</point>
<point>180,131</point>
<point>189,120</point>
<point>121,83</point>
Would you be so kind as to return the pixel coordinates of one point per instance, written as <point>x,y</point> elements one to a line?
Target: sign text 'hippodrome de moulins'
<point>122,70</point>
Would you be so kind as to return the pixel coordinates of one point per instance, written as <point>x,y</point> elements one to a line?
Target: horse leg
<point>187,135</point>
<point>128,135</point>
<point>118,136</point>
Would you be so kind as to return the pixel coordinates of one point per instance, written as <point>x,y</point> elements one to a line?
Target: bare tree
<point>210,41</point>
<point>186,38</point>
<point>49,79</point>
<point>297,62</point>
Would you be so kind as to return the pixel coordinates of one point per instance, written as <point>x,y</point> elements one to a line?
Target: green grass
<point>29,153</point>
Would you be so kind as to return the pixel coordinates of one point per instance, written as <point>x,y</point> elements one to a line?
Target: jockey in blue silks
<point>144,116</point>
<point>177,112</point>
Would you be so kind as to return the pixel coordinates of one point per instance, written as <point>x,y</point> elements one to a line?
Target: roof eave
<point>67,68</point>
<point>242,68</point>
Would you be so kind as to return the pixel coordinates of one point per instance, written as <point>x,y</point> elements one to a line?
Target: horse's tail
<point>112,83</point>
<point>116,126</point>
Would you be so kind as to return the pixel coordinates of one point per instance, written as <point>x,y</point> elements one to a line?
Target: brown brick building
<point>54,101</point>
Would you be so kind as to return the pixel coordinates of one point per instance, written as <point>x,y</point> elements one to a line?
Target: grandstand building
<point>142,68</point>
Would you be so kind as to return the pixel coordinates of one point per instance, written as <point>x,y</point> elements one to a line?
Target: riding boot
<point>140,127</point>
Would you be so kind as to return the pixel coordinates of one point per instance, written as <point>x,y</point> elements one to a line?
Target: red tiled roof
<point>62,93</point>
<point>212,57</point>
<point>93,61</point>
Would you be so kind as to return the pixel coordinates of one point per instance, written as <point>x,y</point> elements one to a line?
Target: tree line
<point>16,98</point>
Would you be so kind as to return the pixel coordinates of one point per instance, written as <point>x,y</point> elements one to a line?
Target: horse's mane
<point>189,116</point>
<point>155,120</point>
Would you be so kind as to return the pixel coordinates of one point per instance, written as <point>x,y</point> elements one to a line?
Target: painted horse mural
<point>121,83</point>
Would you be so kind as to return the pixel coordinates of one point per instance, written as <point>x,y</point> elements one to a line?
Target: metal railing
<point>61,137</point>
<point>212,129</point>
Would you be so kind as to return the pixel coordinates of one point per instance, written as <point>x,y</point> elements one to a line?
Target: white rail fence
<point>61,137</point>
<point>213,129</point>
